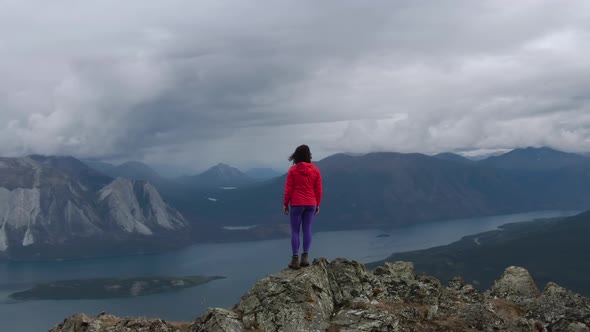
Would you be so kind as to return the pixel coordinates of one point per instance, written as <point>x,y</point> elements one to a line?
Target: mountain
<point>392,189</point>
<point>556,249</point>
<point>479,157</point>
<point>135,170</point>
<point>170,171</point>
<point>262,173</point>
<point>218,176</point>
<point>100,166</point>
<point>132,170</point>
<point>342,295</point>
<point>379,190</point>
<point>194,195</point>
<point>58,207</point>
<point>535,159</point>
<point>452,157</point>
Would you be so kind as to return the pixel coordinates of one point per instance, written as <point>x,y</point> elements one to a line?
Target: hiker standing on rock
<point>303,191</point>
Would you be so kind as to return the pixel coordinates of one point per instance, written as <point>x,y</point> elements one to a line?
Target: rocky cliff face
<point>344,296</point>
<point>50,202</point>
<point>136,207</point>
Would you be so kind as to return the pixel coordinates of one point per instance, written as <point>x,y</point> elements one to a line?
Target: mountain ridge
<point>220,175</point>
<point>51,202</point>
<point>535,159</point>
<point>132,170</point>
<point>361,191</point>
<point>392,189</point>
<point>262,173</point>
<point>452,157</point>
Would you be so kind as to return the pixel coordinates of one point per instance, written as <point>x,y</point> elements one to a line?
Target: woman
<point>303,191</point>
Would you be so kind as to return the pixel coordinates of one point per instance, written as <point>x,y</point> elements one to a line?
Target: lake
<point>243,263</point>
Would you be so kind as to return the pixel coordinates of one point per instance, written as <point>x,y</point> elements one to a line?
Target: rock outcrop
<point>516,284</point>
<point>104,322</point>
<point>343,296</point>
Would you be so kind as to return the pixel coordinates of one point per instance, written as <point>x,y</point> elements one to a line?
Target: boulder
<point>218,320</point>
<point>515,284</point>
<point>293,300</point>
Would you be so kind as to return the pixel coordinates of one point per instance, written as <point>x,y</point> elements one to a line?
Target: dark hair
<point>302,153</point>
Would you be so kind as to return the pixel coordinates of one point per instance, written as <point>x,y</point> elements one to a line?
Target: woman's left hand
<point>286,210</point>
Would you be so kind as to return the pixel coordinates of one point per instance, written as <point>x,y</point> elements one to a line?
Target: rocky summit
<point>343,295</point>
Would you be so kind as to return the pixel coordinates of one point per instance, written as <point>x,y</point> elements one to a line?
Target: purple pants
<point>301,217</point>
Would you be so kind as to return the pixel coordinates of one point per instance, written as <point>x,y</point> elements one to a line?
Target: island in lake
<point>104,288</point>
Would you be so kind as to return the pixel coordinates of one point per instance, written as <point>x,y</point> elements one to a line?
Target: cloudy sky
<point>192,83</point>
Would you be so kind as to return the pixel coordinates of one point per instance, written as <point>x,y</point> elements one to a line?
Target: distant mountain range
<point>49,205</point>
<point>132,170</point>
<point>387,189</point>
<point>186,192</point>
<point>556,249</point>
<point>60,201</point>
<point>525,159</point>
<point>479,157</point>
<point>218,176</point>
<point>262,173</point>
<point>452,157</point>
<point>536,159</point>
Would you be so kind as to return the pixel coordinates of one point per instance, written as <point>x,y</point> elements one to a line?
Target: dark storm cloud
<point>174,81</point>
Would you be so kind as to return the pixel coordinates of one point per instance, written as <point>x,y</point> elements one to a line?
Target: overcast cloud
<point>192,83</point>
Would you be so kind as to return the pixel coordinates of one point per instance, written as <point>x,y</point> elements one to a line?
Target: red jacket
<point>303,186</point>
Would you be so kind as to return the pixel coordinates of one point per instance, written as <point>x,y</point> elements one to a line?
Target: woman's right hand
<point>317,210</point>
<point>286,210</point>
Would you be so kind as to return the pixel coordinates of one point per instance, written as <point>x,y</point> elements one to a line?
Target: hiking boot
<point>304,261</point>
<point>294,262</point>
